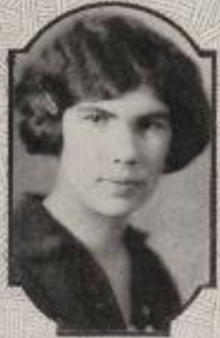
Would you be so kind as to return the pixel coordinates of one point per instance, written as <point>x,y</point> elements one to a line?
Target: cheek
<point>80,158</point>
<point>156,147</point>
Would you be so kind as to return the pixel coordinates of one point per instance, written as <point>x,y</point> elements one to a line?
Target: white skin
<point>113,156</point>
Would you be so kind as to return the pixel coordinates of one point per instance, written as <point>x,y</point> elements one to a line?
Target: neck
<point>102,234</point>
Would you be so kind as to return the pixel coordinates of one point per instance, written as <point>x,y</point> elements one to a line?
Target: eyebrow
<point>157,113</point>
<point>87,109</point>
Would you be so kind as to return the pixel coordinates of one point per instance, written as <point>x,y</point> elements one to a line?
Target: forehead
<point>141,101</point>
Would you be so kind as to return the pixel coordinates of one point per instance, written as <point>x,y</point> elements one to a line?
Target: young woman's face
<point>114,150</point>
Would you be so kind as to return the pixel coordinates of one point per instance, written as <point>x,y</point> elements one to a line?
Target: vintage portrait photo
<point>112,225</point>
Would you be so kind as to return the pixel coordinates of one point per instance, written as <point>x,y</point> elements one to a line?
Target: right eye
<point>97,117</point>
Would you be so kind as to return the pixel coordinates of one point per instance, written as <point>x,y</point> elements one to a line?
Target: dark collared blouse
<point>65,282</point>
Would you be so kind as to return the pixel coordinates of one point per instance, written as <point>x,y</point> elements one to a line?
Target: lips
<point>124,179</point>
<point>125,188</point>
<point>125,182</point>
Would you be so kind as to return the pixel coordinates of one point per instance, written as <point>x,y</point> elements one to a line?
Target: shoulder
<point>34,232</point>
<point>42,257</point>
<point>35,238</point>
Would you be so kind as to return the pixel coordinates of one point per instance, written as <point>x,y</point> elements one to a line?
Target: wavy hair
<point>100,57</point>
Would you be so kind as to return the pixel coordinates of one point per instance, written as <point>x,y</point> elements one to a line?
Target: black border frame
<point>203,53</point>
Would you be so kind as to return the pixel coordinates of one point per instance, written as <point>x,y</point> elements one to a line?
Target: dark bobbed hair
<point>103,57</point>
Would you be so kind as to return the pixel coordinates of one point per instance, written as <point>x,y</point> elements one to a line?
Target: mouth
<point>125,183</point>
<point>123,187</point>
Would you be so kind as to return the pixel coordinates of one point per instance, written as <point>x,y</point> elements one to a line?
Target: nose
<point>126,146</point>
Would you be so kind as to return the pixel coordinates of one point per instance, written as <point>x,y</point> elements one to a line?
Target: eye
<point>97,117</point>
<point>153,123</point>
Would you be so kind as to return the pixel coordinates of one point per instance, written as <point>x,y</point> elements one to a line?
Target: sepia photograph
<point>112,178</point>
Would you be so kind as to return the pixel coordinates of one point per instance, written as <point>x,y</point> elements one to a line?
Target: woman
<point>119,105</point>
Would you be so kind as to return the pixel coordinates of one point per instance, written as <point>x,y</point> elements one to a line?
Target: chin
<point>118,208</point>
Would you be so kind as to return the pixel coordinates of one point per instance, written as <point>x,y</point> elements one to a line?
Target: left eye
<point>153,124</point>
